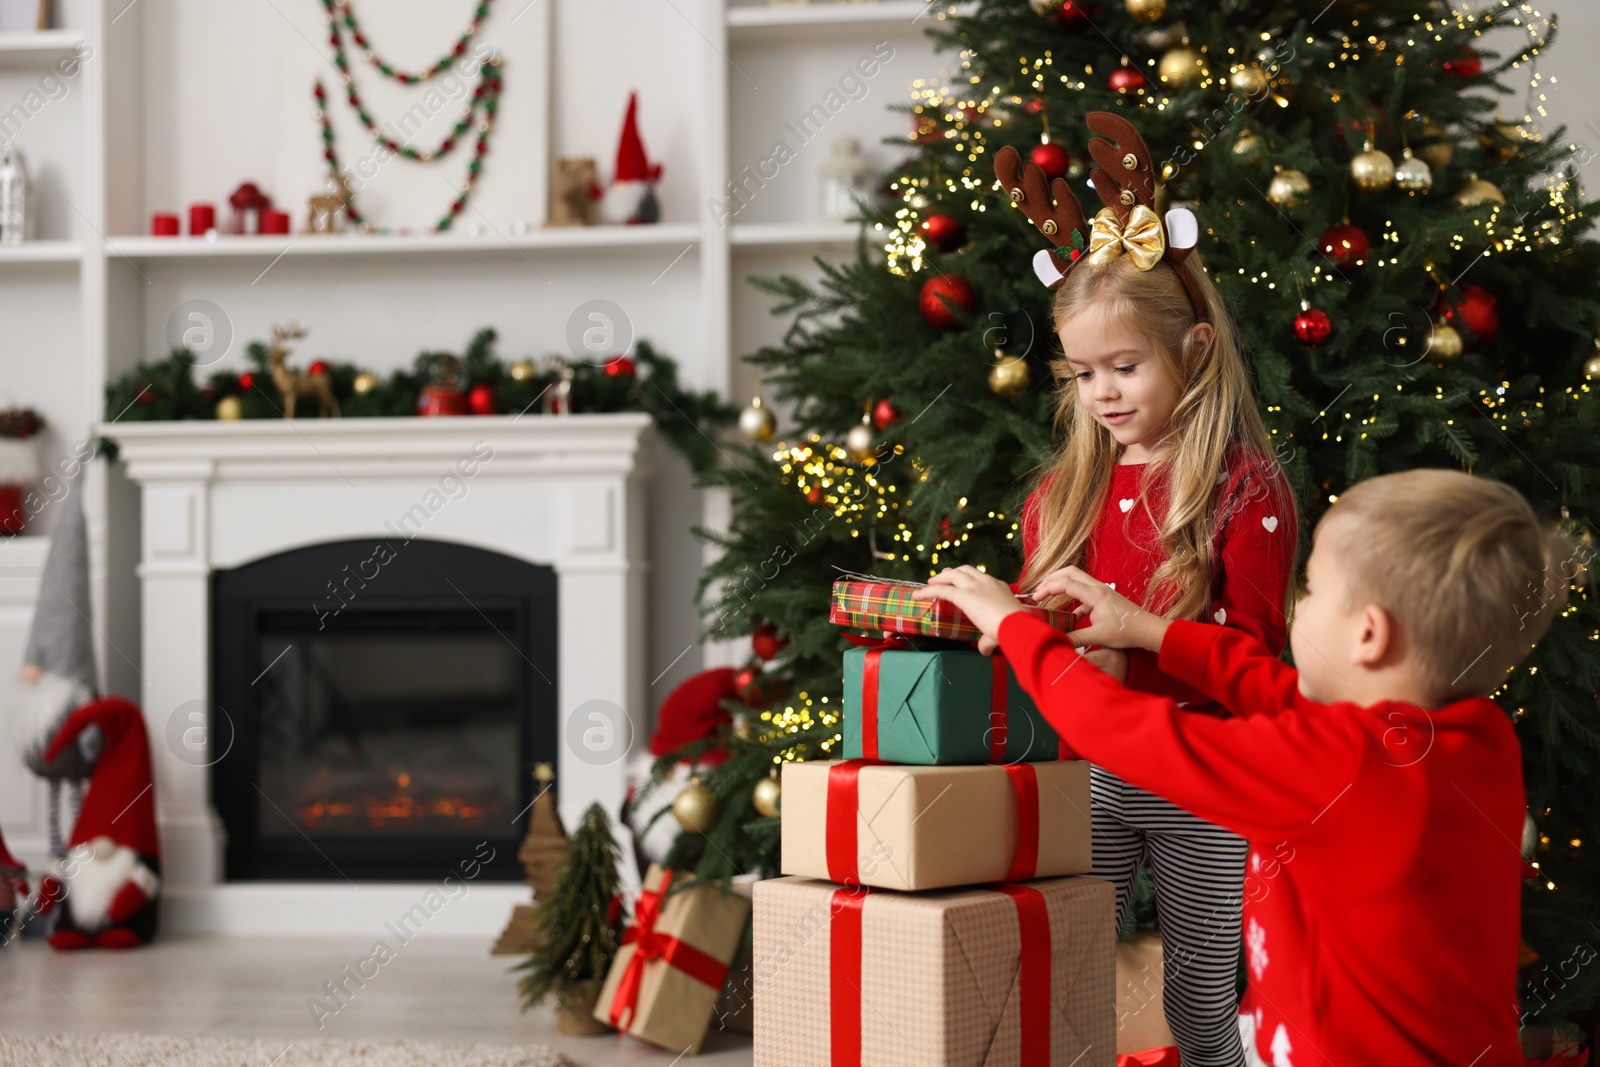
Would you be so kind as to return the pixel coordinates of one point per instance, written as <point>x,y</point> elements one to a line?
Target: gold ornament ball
<point>1436,149</point>
<point>768,796</point>
<point>756,423</point>
<point>1248,143</point>
<point>1010,376</point>
<point>695,809</point>
<point>230,409</point>
<point>1249,82</point>
<point>1289,189</point>
<point>1182,66</point>
<point>1502,141</point>
<point>1413,175</point>
<point>1444,343</point>
<point>366,382</point>
<point>1591,368</point>
<point>1146,10</point>
<point>858,442</point>
<point>1045,7</point>
<point>524,371</point>
<point>1372,170</point>
<point>1478,192</point>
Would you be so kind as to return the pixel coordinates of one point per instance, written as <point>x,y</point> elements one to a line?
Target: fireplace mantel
<point>568,492</point>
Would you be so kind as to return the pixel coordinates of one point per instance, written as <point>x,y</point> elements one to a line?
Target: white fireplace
<point>564,492</point>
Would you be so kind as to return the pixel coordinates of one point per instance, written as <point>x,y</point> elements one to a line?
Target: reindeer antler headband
<point>1128,224</point>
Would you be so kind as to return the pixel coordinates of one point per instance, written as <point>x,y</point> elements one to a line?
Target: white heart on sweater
<point>1221,615</point>
<point>1126,504</point>
<point>1271,523</point>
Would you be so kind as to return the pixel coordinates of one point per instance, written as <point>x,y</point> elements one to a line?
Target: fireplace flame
<point>383,806</point>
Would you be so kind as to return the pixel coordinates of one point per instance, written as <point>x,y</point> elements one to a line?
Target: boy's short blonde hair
<point>1462,563</point>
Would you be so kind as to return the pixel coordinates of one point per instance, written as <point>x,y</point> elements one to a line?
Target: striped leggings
<point>1198,871</point>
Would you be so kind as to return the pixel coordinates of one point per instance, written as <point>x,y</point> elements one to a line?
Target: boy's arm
<point>1264,777</point>
<point>1231,667</point>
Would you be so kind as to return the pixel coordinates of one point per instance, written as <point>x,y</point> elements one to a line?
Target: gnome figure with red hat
<point>631,198</point>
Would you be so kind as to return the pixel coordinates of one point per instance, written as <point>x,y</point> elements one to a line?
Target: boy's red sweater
<point>1383,891</point>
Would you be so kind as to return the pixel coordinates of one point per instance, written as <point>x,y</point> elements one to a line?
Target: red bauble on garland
<point>1477,310</point>
<point>247,382</point>
<point>620,367</point>
<point>931,301</point>
<point>1126,79</point>
<point>1075,14</point>
<point>943,232</point>
<point>884,414</point>
<point>765,642</point>
<point>480,399</point>
<point>1312,327</point>
<point>1467,64</point>
<point>317,368</point>
<point>1052,159</point>
<point>1347,245</point>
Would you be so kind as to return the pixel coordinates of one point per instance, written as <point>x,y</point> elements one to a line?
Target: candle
<point>202,219</point>
<point>164,224</point>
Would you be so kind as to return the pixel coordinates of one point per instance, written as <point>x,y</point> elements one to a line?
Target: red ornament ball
<point>1466,64</point>
<point>884,415</point>
<point>147,396</point>
<point>1126,80</point>
<point>480,399</point>
<point>936,291</point>
<point>620,367</point>
<point>1052,159</point>
<point>1312,326</point>
<point>765,642</point>
<point>1477,310</point>
<point>943,232</point>
<point>1075,14</point>
<point>317,368</point>
<point>247,381</point>
<point>814,495</point>
<point>1347,245</point>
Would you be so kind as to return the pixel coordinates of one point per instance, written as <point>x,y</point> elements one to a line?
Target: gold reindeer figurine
<point>290,383</point>
<point>327,209</point>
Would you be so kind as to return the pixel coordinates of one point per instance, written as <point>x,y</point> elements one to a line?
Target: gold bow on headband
<point>1144,238</point>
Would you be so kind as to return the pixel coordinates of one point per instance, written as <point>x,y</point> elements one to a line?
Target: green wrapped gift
<point>931,708</point>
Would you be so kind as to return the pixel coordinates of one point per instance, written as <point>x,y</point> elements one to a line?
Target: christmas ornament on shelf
<point>481,399</point>
<point>756,422</point>
<point>1312,326</point>
<point>1347,246</point>
<point>1372,170</point>
<point>1289,189</point>
<point>365,382</point>
<point>939,293</point>
<point>1411,174</point>
<point>767,798</point>
<point>695,808</point>
<point>290,383</point>
<point>523,370</point>
<point>1146,10</point>
<point>1009,375</point>
<point>230,409</point>
<point>942,232</point>
<point>620,367</point>
<point>1478,192</point>
<point>884,414</point>
<point>1126,78</point>
<point>631,198</point>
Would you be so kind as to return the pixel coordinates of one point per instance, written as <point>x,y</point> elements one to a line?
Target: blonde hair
<point>1463,565</point>
<point>1215,413</point>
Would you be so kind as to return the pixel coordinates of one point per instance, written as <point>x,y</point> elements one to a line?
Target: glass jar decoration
<point>15,208</point>
<point>248,203</point>
<point>443,394</point>
<point>846,181</point>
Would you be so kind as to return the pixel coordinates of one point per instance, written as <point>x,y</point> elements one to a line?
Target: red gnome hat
<point>693,710</point>
<point>121,802</point>
<point>632,163</point>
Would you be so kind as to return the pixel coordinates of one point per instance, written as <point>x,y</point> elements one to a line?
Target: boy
<point>1380,790</point>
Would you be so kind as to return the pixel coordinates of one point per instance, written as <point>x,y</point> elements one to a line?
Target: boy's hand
<point>983,598</point>
<point>1113,661</point>
<point>1114,620</point>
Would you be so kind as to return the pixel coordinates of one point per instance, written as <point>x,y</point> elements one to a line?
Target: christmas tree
<point>1410,271</point>
<point>577,930</point>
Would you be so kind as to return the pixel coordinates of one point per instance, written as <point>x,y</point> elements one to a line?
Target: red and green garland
<point>340,11</point>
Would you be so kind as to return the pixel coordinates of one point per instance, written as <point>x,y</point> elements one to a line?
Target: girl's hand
<point>1113,661</point>
<point>987,645</point>
<point>983,598</point>
<point>1114,620</point>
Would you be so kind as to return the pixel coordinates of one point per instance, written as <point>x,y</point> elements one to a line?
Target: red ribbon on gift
<point>844,802</point>
<point>1033,927</point>
<point>999,692</point>
<point>875,646</point>
<point>1025,783</point>
<point>679,955</point>
<point>844,975</point>
<point>1167,1056</point>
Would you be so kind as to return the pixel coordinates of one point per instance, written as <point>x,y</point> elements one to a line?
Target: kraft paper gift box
<point>996,976</point>
<point>888,607</point>
<point>665,981</point>
<point>943,707</point>
<point>859,823</point>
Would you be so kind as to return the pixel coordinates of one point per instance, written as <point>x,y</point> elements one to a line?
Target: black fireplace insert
<point>388,701</point>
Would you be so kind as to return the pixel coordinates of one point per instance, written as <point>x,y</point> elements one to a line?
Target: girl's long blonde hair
<point>1215,413</point>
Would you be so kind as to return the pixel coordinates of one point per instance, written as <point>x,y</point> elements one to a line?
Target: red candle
<point>274,221</point>
<point>163,224</point>
<point>202,219</point>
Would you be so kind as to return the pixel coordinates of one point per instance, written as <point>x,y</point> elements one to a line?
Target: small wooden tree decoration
<point>540,854</point>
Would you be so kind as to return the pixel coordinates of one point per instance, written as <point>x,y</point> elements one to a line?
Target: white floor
<point>434,989</point>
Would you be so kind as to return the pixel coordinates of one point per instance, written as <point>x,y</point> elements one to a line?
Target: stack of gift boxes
<point>927,914</point>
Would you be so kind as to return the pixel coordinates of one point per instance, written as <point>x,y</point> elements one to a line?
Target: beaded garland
<point>341,11</point>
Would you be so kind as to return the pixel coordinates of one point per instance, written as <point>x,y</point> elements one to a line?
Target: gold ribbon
<point>1143,238</point>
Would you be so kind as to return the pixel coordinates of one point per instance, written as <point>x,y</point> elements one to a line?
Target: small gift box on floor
<point>998,976</point>
<point>941,707</point>
<point>856,822</point>
<point>665,980</point>
<point>888,607</point>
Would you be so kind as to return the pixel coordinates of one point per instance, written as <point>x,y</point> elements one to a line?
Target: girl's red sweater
<point>1254,556</point>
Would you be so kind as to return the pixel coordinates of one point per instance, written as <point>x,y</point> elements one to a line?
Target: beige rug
<point>149,1050</point>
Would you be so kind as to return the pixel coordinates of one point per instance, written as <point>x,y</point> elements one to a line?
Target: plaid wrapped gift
<point>888,607</point>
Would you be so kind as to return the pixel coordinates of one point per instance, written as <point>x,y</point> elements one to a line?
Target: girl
<point>1165,490</point>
